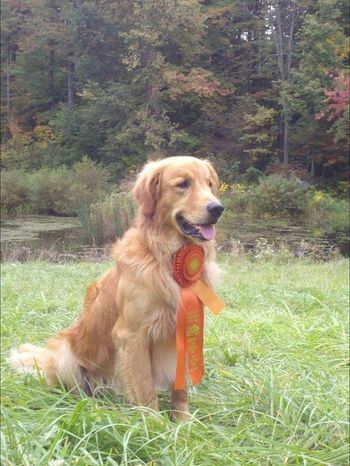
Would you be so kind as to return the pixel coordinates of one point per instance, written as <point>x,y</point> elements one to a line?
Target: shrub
<point>229,172</point>
<point>14,190</point>
<point>50,191</point>
<point>276,194</point>
<point>322,206</point>
<point>60,191</point>
<point>252,175</point>
<point>89,174</point>
<point>89,184</point>
<point>235,197</point>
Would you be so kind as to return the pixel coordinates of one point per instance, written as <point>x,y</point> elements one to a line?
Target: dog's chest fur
<point>163,324</point>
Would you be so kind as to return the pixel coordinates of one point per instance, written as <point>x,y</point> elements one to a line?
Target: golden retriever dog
<point>125,334</point>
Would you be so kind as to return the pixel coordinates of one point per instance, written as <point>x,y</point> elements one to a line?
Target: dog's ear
<point>213,175</point>
<point>147,188</point>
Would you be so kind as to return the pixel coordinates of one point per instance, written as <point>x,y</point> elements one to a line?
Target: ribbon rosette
<point>188,268</point>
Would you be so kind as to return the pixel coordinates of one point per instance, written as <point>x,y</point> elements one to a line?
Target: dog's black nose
<point>215,209</point>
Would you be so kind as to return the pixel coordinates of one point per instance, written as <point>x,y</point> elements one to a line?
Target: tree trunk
<point>70,77</point>
<point>284,53</point>
<point>8,88</point>
<point>280,138</point>
<point>285,142</point>
<point>287,79</point>
<point>312,168</point>
<point>290,44</point>
<point>278,37</point>
<point>51,76</point>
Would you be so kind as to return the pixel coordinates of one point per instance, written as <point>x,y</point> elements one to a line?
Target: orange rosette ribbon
<point>188,268</point>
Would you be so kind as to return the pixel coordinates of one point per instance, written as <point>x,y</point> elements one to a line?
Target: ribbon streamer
<point>189,339</point>
<point>188,267</point>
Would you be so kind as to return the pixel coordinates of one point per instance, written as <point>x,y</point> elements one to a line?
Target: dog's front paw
<point>180,416</point>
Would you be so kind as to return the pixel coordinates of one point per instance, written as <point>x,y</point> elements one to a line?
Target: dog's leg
<point>179,405</point>
<point>134,366</point>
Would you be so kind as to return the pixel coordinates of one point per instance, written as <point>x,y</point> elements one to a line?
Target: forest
<point>259,87</point>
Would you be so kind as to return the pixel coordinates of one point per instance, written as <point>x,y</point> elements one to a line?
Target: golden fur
<point>125,334</point>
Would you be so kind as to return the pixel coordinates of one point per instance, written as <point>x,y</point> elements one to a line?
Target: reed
<point>109,219</point>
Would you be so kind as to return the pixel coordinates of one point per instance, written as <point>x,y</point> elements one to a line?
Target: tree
<point>14,17</point>
<point>321,50</point>
<point>336,114</point>
<point>260,135</point>
<point>284,20</point>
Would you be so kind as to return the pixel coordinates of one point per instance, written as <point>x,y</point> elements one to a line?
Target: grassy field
<point>275,390</point>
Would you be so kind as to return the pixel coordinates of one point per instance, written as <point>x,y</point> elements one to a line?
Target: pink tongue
<point>207,231</point>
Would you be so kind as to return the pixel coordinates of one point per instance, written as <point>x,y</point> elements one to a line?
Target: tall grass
<point>275,390</point>
<point>108,219</point>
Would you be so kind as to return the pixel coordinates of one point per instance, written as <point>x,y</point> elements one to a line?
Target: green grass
<point>275,390</point>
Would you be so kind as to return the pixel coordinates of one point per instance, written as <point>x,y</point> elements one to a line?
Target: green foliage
<point>27,152</point>
<point>276,194</point>
<point>14,190</point>
<point>252,175</point>
<point>340,129</point>
<point>61,190</point>
<point>321,42</point>
<point>323,206</point>
<point>260,134</point>
<point>49,191</point>
<point>96,127</point>
<point>321,48</point>
<point>90,183</point>
<point>230,173</point>
<point>324,213</point>
<point>236,199</point>
<point>275,357</point>
<point>273,195</point>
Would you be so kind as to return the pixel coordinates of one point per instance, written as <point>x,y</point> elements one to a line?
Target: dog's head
<point>180,192</point>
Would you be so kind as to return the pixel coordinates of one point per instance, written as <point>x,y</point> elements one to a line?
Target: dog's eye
<point>210,184</point>
<point>184,184</point>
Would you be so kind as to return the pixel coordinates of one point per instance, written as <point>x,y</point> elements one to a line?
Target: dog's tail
<point>27,358</point>
<point>56,362</point>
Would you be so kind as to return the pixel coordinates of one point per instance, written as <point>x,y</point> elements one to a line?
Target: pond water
<point>246,231</point>
<point>43,232</point>
<point>66,234</point>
